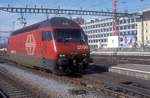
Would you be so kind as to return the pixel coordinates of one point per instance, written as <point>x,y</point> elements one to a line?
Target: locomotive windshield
<point>69,35</point>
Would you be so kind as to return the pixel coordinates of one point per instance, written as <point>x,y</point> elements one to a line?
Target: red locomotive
<point>57,44</point>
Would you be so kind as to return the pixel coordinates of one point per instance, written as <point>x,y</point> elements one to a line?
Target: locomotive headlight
<point>84,54</point>
<point>62,55</point>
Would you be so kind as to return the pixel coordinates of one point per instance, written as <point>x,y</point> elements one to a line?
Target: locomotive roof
<point>56,21</point>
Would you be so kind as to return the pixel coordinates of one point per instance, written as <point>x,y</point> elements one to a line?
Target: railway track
<point>114,59</point>
<point>10,89</point>
<point>105,84</point>
<point>100,83</point>
<point>2,94</point>
<point>131,86</point>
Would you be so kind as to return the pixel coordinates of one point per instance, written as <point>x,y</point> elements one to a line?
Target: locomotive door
<point>44,47</point>
<point>46,38</point>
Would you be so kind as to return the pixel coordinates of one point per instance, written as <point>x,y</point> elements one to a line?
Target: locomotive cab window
<point>46,36</point>
<point>69,35</point>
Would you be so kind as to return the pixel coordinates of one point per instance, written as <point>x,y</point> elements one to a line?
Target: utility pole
<point>114,18</point>
<point>114,40</point>
<point>22,20</point>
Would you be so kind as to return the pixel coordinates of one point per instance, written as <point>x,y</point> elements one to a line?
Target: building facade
<point>143,32</point>
<point>98,32</point>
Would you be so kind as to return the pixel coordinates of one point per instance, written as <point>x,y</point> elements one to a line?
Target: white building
<point>98,32</point>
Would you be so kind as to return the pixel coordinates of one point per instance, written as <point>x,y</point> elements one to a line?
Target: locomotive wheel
<point>58,70</point>
<point>79,68</point>
<point>85,66</point>
<point>82,68</point>
<point>74,69</point>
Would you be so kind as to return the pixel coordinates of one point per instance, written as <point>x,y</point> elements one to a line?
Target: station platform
<point>135,70</point>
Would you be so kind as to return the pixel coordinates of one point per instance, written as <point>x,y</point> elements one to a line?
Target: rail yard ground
<point>95,83</point>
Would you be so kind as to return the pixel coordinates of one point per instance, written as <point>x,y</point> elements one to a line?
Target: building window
<point>117,28</point>
<point>104,29</point>
<point>96,41</point>
<point>108,34</point>
<point>121,39</point>
<point>104,24</point>
<point>120,33</point>
<point>146,37</point>
<point>107,29</point>
<point>96,26</point>
<point>124,33</point>
<point>104,40</point>
<point>120,27</point>
<point>125,27</point>
<point>146,24</point>
<point>120,21</point>
<point>124,21</point>
<point>128,27</point>
<point>111,24</point>
<point>133,20</point>
<point>133,26</point>
<point>128,20</point>
<point>110,29</point>
<point>96,36</point>
<point>128,32</point>
<point>133,32</point>
<point>90,36</point>
<point>146,30</point>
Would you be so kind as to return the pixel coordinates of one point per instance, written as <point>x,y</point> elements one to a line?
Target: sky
<point>8,21</point>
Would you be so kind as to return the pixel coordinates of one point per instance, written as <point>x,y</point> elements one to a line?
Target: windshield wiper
<point>68,38</point>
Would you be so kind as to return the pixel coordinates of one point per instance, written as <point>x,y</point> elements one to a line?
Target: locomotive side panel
<point>26,48</point>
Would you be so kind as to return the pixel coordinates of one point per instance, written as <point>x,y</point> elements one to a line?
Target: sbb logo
<point>30,44</point>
